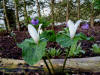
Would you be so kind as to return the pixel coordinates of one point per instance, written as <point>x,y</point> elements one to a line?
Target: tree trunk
<point>78,8</point>
<point>6,17</point>
<point>67,11</point>
<point>17,17</point>
<point>52,12</point>
<point>38,8</point>
<point>25,14</point>
<point>5,23</point>
<point>92,16</point>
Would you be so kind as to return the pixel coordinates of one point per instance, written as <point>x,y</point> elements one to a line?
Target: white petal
<point>40,26</point>
<point>32,31</point>
<point>70,23</point>
<point>39,29</point>
<point>77,24</point>
<point>71,28</point>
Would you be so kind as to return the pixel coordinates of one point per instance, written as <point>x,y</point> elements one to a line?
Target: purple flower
<point>85,26</point>
<point>34,21</point>
<point>66,25</point>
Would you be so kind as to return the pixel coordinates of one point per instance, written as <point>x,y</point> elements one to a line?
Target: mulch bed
<point>8,45</point>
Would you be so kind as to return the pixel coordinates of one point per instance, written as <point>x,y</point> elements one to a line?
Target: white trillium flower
<point>73,27</point>
<point>33,33</point>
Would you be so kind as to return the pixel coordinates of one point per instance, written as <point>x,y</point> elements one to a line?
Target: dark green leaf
<point>31,52</point>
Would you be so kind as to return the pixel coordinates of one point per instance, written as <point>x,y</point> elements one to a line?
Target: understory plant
<point>96,48</point>
<point>54,52</point>
<point>49,35</point>
<point>34,49</point>
<point>70,40</point>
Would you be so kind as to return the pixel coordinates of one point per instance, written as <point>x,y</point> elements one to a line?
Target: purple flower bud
<point>85,26</point>
<point>34,21</point>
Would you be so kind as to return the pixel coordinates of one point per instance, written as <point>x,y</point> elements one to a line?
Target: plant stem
<point>65,61</point>
<point>47,66</point>
<point>51,64</point>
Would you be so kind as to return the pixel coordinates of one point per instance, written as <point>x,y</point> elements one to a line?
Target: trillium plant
<point>34,49</point>
<point>68,36</point>
<point>69,40</point>
<point>33,46</point>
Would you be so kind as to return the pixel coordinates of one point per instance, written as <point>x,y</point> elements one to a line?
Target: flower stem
<point>51,64</point>
<point>65,61</point>
<point>47,66</point>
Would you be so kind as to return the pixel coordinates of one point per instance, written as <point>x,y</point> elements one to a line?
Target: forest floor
<point>9,48</point>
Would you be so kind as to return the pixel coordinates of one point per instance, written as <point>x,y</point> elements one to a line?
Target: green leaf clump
<point>49,35</point>
<point>75,49</point>
<point>44,21</point>
<point>54,52</point>
<point>96,48</point>
<point>96,4</point>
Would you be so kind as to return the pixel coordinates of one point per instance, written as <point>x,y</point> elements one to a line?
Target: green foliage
<point>44,21</point>
<point>96,4</point>
<point>53,52</point>
<point>63,38</point>
<point>96,48</point>
<point>65,31</point>
<point>84,37</point>
<point>2,30</point>
<point>31,52</point>
<point>49,35</point>
<point>75,49</point>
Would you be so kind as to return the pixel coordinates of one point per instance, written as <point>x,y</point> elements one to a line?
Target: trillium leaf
<point>26,43</point>
<point>64,40</point>
<point>81,35</point>
<point>84,37</point>
<point>31,52</point>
